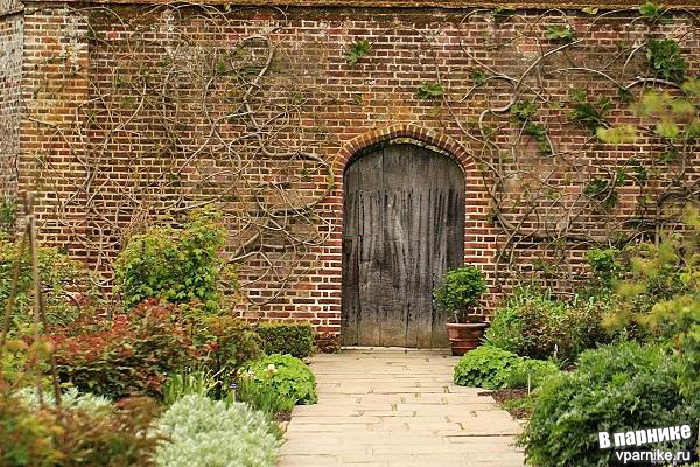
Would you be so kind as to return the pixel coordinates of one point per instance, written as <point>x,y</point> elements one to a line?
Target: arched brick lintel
<point>425,135</point>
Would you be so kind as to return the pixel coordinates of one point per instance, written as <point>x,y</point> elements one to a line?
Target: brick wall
<point>119,99</point>
<point>10,80</point>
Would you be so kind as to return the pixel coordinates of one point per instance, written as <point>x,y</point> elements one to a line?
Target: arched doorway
<point>403,229</point>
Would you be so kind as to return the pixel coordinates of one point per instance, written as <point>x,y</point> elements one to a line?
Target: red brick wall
<point>10,80</point>
<point>72,69</point>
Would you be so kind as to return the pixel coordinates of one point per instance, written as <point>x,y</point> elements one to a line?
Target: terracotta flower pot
<point>464,337</point>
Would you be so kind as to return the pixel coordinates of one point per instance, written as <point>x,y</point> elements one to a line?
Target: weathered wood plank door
<point>403,229</point>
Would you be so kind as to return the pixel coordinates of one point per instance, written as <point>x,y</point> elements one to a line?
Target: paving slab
<point>397,408</point>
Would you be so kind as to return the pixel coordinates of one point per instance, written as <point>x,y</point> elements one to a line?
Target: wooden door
<point>403,229</point>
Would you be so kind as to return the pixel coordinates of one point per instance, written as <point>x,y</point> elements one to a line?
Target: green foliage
<point>287,376</point>
<point>485,367</point>
<point>502,14</point>
<point>605,265</point>
<point>561,33</point>
<point>229,343</point>
<point>429,91</point>
<point>58,274</point>
<point>25,435</point>
<point>589,11</point>
<point>188,383</point>
<point>662,295</point>
<point>478,77</point>
<point>537,370</point>
<point>614,389</point>
<point>532,323</point>
<point>590,115</point>
<point>8,215</point>
<point>603,191</point>
<point>652,13</point>
<point>207,433</point>
<point>75,437</point>
<point>287,338</point>
<point>178,265</point>
<point>617,135</point>
<point>360,48</point>
<point>665,59</point>
<point>539,134</point>
<point>523,111</point>
<point>70,400</point>
<point>460,289</point>
<point>126,357</point>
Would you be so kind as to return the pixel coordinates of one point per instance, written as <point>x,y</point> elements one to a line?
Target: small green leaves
<point>665,60</point>
<point>561,33</point>
<point>667,129</point>
<point>590,11</point>
<point>651,13</point>
<point>589,115</point>
<point>692,87</point>
<point>358,49</point>
<point>502,14</point>
<point>617,135</point>
<point>478,77</point>
<point>523,110</point>
<point>220,68</point>
<point>429,90</point>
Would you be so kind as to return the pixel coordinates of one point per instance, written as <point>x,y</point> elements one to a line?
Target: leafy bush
<point>178,265</point>
<point>287,338</point>
<point>516,375</point>
<point>126,357</point>
<point>605,265</point>
<point>615,389</point>
<point>59,275</point>
<point>25,435</point>
<point>229,344</point>
<point>75,437</point>
<point>665,59</point>
<point>205,433</point>
<point>288,376</point>
<point>460,289</point>
<point>532,323</point>
<point>485,367</point>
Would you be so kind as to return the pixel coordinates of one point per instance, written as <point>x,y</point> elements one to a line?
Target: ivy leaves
<point>429,90</point>
<point>665,60</point>
<point>360,48</point>
<point>561,33</point>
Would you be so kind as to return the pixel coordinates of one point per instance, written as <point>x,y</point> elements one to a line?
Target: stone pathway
<point>391,408</point>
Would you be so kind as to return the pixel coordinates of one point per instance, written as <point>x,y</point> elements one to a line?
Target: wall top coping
<point>443,4</point>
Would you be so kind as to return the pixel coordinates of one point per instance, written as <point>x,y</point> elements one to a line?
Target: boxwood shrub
<point>287,338</point>
<point>619,388</point>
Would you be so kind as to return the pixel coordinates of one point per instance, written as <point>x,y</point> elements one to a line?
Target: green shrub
<point>288,376</point>
<point>205,433</point>
<point>485,367</point>
<point>177,265</point>
<point>517,375</point>
<point>76,438</point>
<point>459,290</point>
<point>229,343</point>
<point>287,338</point>
<point>58,275</point>
<point>189,383</point>
<point>533,324</point>
<point>615,389</point>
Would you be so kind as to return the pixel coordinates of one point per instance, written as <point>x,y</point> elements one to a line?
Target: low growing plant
<point>485,367</point>
<point>206,433</point>
<point>288,376</point>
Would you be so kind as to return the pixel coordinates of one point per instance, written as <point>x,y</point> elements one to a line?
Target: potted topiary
<point>460,290</point>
